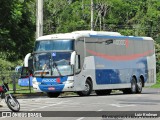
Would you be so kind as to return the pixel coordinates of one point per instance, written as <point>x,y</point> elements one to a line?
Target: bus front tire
<point>133,86</point>
<point>53,94</point>
<point>88,89</point>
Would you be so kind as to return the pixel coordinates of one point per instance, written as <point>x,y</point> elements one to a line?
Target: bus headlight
<point>68,82</point>
<point>36,83</point>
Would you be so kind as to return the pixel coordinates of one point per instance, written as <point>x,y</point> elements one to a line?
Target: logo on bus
<point>121,42</point>
<point>48,80</point>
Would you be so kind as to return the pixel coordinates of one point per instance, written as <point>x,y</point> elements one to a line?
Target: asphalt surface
<point>72,107</point>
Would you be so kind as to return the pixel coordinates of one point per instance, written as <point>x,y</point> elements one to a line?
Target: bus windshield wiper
<point>55,65</point>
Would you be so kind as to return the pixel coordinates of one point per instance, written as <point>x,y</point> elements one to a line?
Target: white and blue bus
<point>83,61</point>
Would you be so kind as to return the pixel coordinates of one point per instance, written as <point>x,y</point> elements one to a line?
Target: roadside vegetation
<point>157,85</point>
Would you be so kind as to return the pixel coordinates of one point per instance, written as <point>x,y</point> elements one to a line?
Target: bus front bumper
<point>55,88</point>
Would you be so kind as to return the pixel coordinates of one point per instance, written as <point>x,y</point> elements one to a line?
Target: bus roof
<point>77,34</point>
<point>122,37</point>
<point>88,33</point>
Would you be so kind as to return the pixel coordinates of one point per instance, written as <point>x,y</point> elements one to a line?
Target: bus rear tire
<point>53,94</point>
<point>133,86</point>
<point>103,92</point>
<point>88,89</point>
<point>139,86</point>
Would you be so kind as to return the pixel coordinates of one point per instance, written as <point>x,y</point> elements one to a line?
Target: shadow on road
<point>117,93</point>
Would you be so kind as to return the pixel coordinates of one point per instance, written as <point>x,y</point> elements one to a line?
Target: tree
<point>16,28</point>
<point>129,17</point>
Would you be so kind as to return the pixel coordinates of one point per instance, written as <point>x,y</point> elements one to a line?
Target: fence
<point>12,79</point>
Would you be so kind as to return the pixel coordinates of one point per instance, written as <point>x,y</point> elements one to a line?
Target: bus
<point>86,61</point>
<point>25,78</point>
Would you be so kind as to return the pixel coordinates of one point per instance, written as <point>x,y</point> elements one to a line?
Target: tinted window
<point>47,45</point>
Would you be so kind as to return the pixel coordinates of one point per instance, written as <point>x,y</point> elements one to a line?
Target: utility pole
<point>92,28</point>
<point>39,18</point>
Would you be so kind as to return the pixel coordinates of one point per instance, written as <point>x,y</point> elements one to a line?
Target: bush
<point>6,65</point>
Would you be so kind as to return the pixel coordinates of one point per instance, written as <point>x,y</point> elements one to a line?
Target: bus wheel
<point>133,85</point>
<point>139,86</point>
<point>88,89</point>
<point>103,92</point>
<point>53,94</point>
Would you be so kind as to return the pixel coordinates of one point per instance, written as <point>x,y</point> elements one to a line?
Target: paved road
<point>149,100</point>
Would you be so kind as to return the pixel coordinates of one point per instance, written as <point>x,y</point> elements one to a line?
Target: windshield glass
<point>42,61</point>
<point>53,64</point>
<point>47,45</point>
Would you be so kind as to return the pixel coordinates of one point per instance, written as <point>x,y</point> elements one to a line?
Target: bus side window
<point>78,63</point>
<point>24,72</point>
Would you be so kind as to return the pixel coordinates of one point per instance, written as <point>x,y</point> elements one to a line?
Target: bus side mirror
<point>28,62</point>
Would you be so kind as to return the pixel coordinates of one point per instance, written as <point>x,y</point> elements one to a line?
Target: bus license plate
<point>51,88</point>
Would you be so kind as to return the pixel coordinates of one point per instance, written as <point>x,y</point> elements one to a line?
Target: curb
<point>28,95</point>
<point>33,95</point>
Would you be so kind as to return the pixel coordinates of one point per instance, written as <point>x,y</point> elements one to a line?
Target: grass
<point>25,91</point>
<point>157,85</point>
<point>20,89</point>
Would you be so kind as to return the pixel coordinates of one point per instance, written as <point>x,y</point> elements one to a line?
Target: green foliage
<point>157,46</point>
<point>157,85</point>
<point>6,65</point>
<point>9,66</point>
<point>17,28</point>
<point>129,17</point>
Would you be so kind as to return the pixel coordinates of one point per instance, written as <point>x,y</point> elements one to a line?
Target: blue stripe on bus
<point>106,76</point>
<point>109,76</point>
<point>114,72</point>
<point>116,37</point>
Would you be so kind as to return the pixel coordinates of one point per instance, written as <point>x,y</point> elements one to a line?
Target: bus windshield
<point>48,45</point>
<point>53,64</point>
